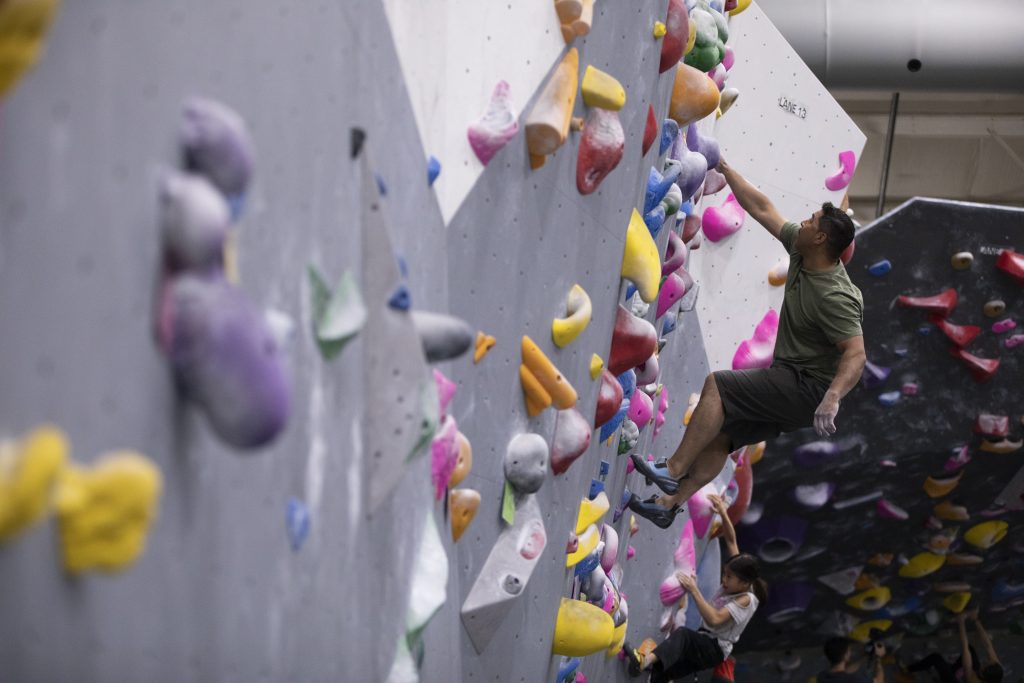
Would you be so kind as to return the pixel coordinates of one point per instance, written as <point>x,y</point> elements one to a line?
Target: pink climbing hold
<point>610,553</point>
<point>601,147</point>
<point>960,457</point>
<point>701,511</point>
<point>641,409</point>
<point>444,455</point>
<point>890,510</point>
<point>571,439</point>
<point>496,127</point>
<point>672,290</point>
<point>1014,341</point>
<point>842,177</point>
<point>729,59</point>
<point>757,351</point>
<point>659,419</point>
<point>1003,325</point>
<point>718,75</point>
<point>630,553</point>
<point>445,391</point>
<point>685,560</point>
<point>675,254</point>
<point>719,222</point>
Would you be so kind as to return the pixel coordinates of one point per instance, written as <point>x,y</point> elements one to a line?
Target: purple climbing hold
<point>815,453</point>
<point>788,600</point>
<point>705,145</point>
<point>675,254</point>
<point>813,496</point>
<point>296,523</point>
<point>672,290</point>
<point>194,219</point>
<point>433,169</point>
<point>668,323</point>
<point>874,375</point>
<point>713,182</point>
<point>216,143</point>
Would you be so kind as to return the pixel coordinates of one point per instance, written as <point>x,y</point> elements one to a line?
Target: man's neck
<point>818,262</point>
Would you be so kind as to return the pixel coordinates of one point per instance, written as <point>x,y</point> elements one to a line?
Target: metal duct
<point>878,44</point>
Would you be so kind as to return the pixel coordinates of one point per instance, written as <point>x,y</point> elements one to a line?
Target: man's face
<point>807,236</point>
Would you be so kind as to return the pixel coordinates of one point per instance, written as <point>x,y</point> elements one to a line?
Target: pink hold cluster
<point>685,560</point>
<point>496,127</point>
<point>641,409</point>
<point>718,222</point>
<point>444,455</point>
<point>757,351</point>
<point>672,290</point>
<point>659,419</point>
<point>445,391</point>
<point>1004,325</point>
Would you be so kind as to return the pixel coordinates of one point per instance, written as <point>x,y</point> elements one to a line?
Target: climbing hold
<point>694,96</point>
<point>23,29</point>
<point>757,351</point>
<point>462,504</point>
<point>942,303</point>
<point>815,453</point>
<point>937,487</point>
<point>775,539</point>
<point>1011,263</point>
<point>596,365</point>
<point>719,222</point>
<point>650,130</point>
<point>590,511</point>
<point>871,599</point>
<point>571,439</point>
<point>949,511</point>
<point>874,375</point>
<point>400,299</point>
<point>718,74</point>
<point>962,260</point>
<point>547,124</point>
<point>29,469</point>
<point>842,177</point>
<point>691,232</point>
<point>1013,341</point>
<point>1004,325</point>
<point>526,462</point>
<point>668,325</point>
<point>711,36</point>
<point>338,315</point>
<point>983,369</point>
<point>609,399</point>
<point>296,522</point>
<point>483,344</point>
<point>880,268</point>
<point>956,602</point>
<point>740,6</point>
<point>881,559</point>
<point>728,98</point>
<point>986,534</point>
<point>693,169</point>
<point>659,185</point>
<point>779,272</point>
<point>444,455</point>
<point>505,574</point>
<point>496,127</point>
<point>640,262</point>
<point>1002,446</point>
<point>959,458</point>
<point>575,16</point>
<point>891,510</point>
<point>633,342</point>
<point>629,436</point>
<point>659,30</point>
<point>225,358</point>
<point>992,425</point>
<point>713,182</point>
<point>194,219</point>
<point>104,510</point>
<point>889,398</point>
<point>542,382</point>
<point>581,629</point>
<point>443,337</point>
<point>862,631</point>
<point>587,543</point>
<point>672,290</point>
<point>676,32</point>
<point>578,312</point>
<point>842,581</point>
<point>433,169</point>
<point>922,564</point>
<point>641,409</point>
<point>669,132</point>
<point>216,143</point>
<point>445,391</point>
<point>909,389</point>
<point>994,308</point>
<point>648,371</point>
<point>463,460</point>
<point>602,90</point>
<point>659,418</point>
<point>706,146</point>
<point>610,553</point>
<point>601,148</point>
<point>788,599</point>
<point>961,335</point>
<point>813,496</point>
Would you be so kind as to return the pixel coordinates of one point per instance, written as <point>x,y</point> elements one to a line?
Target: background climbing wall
<point>889,450</point>
<point>786,155</point>
<point>218,594</point>
<point>452,56</point>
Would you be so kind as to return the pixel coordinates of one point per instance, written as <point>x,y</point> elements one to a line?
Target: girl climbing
<point>723,618</point>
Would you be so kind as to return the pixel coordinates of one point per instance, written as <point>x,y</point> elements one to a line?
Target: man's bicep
<point>840,320</point>
<point>851,344</point>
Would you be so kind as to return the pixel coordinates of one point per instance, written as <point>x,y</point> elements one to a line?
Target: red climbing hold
<point>992,425</point>
<point>1012,263</point>
<point>609,398</point>
<point>848,253</point>
<point>677,34</point>
<point>982,368</point>
<point>601,147</point>
<point>961,335</point>
<point>942,303</point>
<point>634,340</point>
<point>651,130</point>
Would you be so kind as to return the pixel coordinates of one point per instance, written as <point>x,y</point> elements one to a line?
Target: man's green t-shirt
<point>820,310</point>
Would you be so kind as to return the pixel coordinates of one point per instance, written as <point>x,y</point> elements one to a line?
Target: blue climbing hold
<point>605,468</point>
<point>895,610</point>
<point>596,486</point>
<point>400,299</point>
<point>567,672</point>
<point>658,186</point>
<point>627,381</point>
<point>889,398</point>
<point>381,186</point>
<point>236,203</point>
<point>622,506</point>
<point>669,131</point>
<point>433,169</point>
<point>630,291</point>
<point>1004,592</point>
<point>403,267</point>
<point>588,564</point>
<point>609,427</point>
<point>685,209</point>
<point>654,219</point>
<point>296,523</point>
<point>924,330</point>
<point>881,268</point>
<point>668,323</point>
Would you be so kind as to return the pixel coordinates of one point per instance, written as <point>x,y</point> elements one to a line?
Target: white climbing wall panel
<point>452,53</point>
<point>787,154</point>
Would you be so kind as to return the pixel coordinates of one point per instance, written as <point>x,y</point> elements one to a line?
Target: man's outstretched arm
<point>851,366</point>
<point>752,200</point>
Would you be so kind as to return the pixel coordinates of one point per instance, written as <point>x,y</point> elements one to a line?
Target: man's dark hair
<point>836,649</point>
<point>838,227</point>
<point>993,673</point>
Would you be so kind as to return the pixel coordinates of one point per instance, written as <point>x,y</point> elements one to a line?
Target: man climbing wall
<point>818,358</point>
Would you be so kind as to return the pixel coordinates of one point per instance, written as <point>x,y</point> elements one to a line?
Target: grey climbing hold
<point>194,219</point>
<point>443,336</point>
<point>216,143</point>
<point>526,462</point>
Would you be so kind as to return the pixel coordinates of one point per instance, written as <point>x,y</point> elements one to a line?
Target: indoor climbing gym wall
<point>331,328</point>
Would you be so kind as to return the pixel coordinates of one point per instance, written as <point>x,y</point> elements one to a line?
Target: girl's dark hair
<point>747,568</point>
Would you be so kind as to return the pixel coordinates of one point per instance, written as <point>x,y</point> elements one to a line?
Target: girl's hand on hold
<point>687,581</point>
<point>718,503</point>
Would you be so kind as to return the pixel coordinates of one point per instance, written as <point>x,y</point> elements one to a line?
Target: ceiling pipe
<point>933,45</point>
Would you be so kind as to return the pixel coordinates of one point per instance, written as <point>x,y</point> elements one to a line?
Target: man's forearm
<point>879,673</point>
<point>851,367</point>
<point>750,198</point>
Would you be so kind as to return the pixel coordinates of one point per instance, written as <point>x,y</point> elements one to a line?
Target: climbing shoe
<point>656,474</point>
<point>635,659</point>
<point>657,515</point>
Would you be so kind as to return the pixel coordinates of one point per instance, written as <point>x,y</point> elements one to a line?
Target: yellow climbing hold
<point>587,542</point>
<point>1002,446</point>
<point>542,383</point>
<point>596,366</point>
<point>640,262</point>
<point>484,343</point>
<point>755,452</point>
<point>618,639</point>
<point>956,602</point>
<point>23,27</point>
<point>591,511</point>
<point>602,90</point>
<point>740,6</point>
<point>659,30</point>
<point>581,629</point>
<point>986,534</point>
<point>105,510</point>
<point>577,317</point>
<point>862,631</point>
<point>871,599</point>
<point>547,125</point>
<point>922,564</point>
<point>939,487</point>
<point>28,470</point>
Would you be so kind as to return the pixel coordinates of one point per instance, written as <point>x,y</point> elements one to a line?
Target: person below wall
<point>967,667</point>
<point>842,668</point>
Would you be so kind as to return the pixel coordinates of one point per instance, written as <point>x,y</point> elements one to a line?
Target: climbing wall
<point>784,134</point>
<point>217,594</point>
<point>909,472</point>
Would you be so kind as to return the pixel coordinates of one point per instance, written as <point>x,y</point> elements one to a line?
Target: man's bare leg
<point>706,468</point>
<point>705,426</point>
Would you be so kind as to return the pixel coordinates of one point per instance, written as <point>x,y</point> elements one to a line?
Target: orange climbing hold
<point>547,125</point>
<point>542,383</point>
<point>484,343</point>
<point>463,504</point>
<point>694,96</point>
